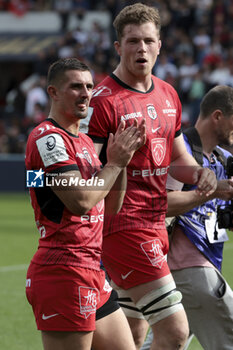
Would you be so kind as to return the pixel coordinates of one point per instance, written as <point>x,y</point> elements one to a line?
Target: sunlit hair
<point>136,14</point>
<point>220,97</point>
<point>58,68</point>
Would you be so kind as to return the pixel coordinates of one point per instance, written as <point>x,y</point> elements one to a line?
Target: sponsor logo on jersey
<point>35,178</point>
<point>153,251</point>
<point>150,172</point>
<point>156,129</point>
<point>52,149</point>
<point>152,112</point>
<point>131,116</point>
<point>168,103</point>
<point>93,218</point>
<point>102,91</point>
<point>158,149</point>
<point>171,112</point>
<point>88,300</point>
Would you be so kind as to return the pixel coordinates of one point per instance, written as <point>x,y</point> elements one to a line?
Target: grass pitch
<point>18,242</point>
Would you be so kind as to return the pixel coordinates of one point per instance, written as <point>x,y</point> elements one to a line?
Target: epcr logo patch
<point>88,300</point>
<point>50,143</point>
<point>35,178</point>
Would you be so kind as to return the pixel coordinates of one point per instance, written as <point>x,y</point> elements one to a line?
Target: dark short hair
<point>136,14</point>
<point>58,68</point>
<point>220,97</point>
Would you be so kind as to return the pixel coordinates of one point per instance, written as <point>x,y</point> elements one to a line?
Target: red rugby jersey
<point>65,238</point>
<point>145,201</point>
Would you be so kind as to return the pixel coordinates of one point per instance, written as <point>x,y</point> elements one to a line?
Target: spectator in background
<point>36,94</point>
<point>187,70</point>
<point>164,68</point>
<point>18,7</point>
<point>64,9</point>
<point>80,7</point>
<point>201,29</point>
<point>197,91</point>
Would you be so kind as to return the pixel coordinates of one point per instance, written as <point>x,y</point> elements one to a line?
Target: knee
<point>178,335</point>
<point>139,329</point>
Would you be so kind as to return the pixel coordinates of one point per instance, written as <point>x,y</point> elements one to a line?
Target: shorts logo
<point>152,112</point>
<point>158,149</point>
<point>35,178</point>
<point>154,253</point>
<point>88,300</point>
<point>107,288</point>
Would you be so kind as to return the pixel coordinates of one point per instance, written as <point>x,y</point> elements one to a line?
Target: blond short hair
<point>136,14</point>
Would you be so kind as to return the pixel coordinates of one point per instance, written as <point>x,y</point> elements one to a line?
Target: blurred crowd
<point>196,54</point>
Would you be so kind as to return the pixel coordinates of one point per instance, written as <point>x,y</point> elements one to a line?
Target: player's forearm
<point>183,168</point>
<point>115,198</point>
<point>180,202</point>
<point>82,195</point>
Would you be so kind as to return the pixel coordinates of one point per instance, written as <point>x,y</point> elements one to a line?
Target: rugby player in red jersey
<point>65,284</point>
<point>135,240</point>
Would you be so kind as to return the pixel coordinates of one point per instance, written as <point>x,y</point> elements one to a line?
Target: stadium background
<point>197,54</point>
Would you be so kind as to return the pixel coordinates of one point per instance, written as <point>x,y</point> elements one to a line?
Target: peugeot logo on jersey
<point>152,112</point>
<point>50,143</point>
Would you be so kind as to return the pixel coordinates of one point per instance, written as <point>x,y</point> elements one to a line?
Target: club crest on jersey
<point>88,300</point>
<point>154,253</point>
<point>102,91</point>
<point>158,149</point>
<point>152,112</point>
<point>87,155</point>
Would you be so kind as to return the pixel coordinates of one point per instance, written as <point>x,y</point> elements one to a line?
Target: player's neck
<point>207,136</point>
<point>140,83</point>
<point>72,126</point>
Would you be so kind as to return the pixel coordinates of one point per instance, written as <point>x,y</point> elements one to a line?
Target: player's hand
<point>224,189</point>
<point>125,142</point>
<point>205,180</point>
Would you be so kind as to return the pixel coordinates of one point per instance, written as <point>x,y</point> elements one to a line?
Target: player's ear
<point>117,47</point>
<point>217,115</point>
<point>52,91</point>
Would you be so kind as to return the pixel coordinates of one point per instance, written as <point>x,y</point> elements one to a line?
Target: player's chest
<point>160,117</point>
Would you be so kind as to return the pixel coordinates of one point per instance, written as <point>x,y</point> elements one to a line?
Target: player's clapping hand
<point>205,180</point>
<point>122,145</point>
